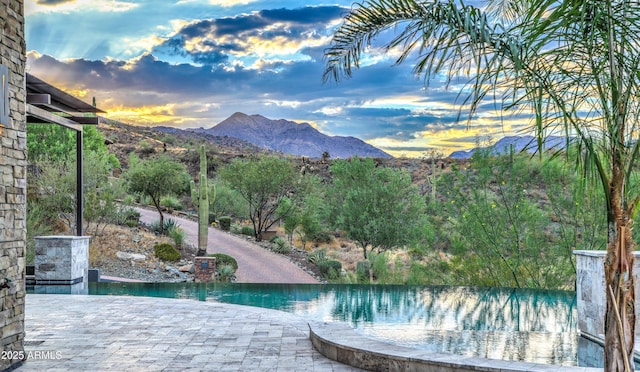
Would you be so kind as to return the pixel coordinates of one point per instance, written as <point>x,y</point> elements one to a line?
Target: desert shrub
<point>323,236</point>
<point>129,199</point>
<point>143,199</point>
<point>330,269</point>
<point>171,202</point>
<point>131,213</point>
<point>169,139</point>
<point>247,230</point>
<point>145,148</point>
<point>387,270</point>
<point>129,217</point>
<point>212,218</point>
<point>273,239</point>
<point>363,270</point>
<point>380,267</point>
<point>37,225</point>
<point>130,223</point>
<point>317,256</point>
<point>280,245</point>
<point>166,252</point>
<point>224,259</point>
<point>177,235</point>
<point>169,224</point>
<point>155,226</point>
<point>417,251</point>
<point>225,273</point>
<point>418,274</point>
<point>225,223</point>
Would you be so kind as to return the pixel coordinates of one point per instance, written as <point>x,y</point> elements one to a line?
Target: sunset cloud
<point>77,6</point>
<point>193,63</point>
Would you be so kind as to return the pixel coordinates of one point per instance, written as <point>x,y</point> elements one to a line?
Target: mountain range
<point>288,137</point>
<point>516,144</point>
<point>301,139</point>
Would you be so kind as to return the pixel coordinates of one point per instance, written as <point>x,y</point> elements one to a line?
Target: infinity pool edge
<point>343,344</point>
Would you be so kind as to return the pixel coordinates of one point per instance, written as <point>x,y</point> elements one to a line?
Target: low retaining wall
<point>341,343</point>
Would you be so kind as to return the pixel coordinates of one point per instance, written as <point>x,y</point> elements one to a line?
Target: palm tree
<point>571,64</point>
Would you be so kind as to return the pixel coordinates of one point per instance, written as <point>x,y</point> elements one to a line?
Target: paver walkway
<point>118,333</point>
<point>255,264</point>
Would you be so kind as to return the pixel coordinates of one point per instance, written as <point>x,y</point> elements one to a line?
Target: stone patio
<point>103,333</point>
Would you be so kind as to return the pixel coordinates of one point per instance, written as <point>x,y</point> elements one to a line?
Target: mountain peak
<point>238,115</point>
<point>291,137</point>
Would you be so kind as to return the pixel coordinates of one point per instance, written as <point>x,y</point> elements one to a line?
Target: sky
<point>194,63</point>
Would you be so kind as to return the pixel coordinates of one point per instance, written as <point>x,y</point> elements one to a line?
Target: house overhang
<point>50,105</point>
<point>47,104</point>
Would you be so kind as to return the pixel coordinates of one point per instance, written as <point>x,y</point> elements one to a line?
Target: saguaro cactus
<point>202,197</point>
<point>432,179</point>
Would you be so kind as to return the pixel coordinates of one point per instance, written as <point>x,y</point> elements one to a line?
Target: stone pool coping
<point>343,344</point>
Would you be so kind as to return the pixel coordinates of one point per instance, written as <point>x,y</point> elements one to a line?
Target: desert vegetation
<point>511,220</point>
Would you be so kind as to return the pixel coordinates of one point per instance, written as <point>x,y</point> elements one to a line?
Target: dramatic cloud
<point>53,2</point>
<point>192,64</point>
<point>76,6</point>
<point>271,35</point>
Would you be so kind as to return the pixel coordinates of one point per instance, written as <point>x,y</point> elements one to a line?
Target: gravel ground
<point>125,252</point>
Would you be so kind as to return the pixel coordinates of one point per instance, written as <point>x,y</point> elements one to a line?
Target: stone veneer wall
<point>13,183</point>
<point>590,292</point>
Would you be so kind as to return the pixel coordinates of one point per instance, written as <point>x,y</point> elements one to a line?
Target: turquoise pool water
<point>498,323</point>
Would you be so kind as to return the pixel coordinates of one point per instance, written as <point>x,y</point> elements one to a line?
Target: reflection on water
<point>526,325</point>
<point>498,323</point>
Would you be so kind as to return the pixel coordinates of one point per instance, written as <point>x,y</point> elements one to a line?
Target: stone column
<point>205,269</point>
<point>61,260</point>
<point>590,292</point>
<point>13,182</point>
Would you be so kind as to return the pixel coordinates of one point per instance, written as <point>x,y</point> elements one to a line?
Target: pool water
<point>498,323</point>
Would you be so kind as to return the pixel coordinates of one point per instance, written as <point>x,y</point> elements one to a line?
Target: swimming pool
<point>499,323</point>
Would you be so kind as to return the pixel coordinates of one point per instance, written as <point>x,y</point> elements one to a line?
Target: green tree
<point>55,185</point>
<point>157,178</point>
<point>228,202</point>
<point>55,142</point>
<point>263,183</point>
<point>305,214</point>
<point>102,194</point>
<point>311,219</point>
<point>497,222</point>
<point>377,207</point>
<point>291,222</point>
<point>573,64</point>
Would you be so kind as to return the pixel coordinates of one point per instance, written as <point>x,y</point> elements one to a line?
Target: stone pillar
<point>205,269</point>
<point>590,292</point>
<point>13,182</point>
<point>61,260</point>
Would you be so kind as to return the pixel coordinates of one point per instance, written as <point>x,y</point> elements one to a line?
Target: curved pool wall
<point>497,323</point>
<point>339,342</point>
